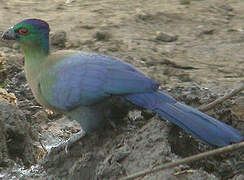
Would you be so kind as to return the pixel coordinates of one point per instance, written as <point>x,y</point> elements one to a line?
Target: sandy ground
<point>198,46</point>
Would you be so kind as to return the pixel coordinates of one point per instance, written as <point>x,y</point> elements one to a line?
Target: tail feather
<point>202,126</point>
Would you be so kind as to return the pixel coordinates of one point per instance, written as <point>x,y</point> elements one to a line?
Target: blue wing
<point>86,79</point>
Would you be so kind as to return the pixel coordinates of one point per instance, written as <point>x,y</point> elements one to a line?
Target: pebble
<point>165,37</point>
<point>102,36</point>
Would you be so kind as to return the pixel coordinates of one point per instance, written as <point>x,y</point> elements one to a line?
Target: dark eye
<point>23,31</point>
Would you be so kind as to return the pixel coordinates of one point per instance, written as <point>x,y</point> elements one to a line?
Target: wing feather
<point>86,79</point>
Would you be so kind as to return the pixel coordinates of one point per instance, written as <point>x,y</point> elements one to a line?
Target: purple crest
<point>37,23</point>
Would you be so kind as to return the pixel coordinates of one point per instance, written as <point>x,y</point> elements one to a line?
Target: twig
<point>193,158</point>
<point>222,99</point>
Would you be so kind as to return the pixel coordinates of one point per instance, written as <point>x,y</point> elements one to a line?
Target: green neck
<point>34,50</point>
<point>34,57</point>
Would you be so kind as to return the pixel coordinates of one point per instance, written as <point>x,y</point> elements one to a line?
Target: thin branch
<point>190,159</point>
<point>222,99</point>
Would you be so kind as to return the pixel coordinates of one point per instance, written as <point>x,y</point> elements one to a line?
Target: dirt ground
<point>193,48</point>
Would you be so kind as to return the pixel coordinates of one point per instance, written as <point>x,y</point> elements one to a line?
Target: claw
<point>74,138</point>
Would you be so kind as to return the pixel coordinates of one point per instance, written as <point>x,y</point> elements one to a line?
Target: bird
<point>80,85</point>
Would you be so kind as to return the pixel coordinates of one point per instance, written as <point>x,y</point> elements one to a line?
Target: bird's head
<point>30,33</point>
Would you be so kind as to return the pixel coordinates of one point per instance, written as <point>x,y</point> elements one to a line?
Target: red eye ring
<point>23,31</point>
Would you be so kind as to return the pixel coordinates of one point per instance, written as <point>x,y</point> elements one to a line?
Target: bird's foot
<point>67,144</point>
<point>59,153</point>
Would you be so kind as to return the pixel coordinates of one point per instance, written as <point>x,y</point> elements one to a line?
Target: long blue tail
<point>202,126</point>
